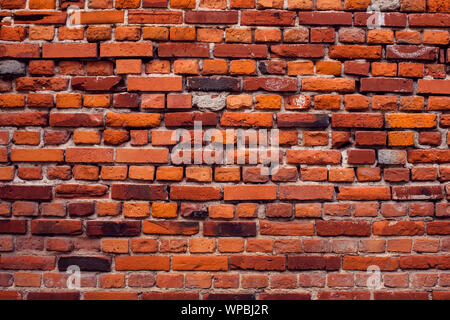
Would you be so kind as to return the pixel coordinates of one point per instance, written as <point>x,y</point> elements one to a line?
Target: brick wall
<point>360,94</point>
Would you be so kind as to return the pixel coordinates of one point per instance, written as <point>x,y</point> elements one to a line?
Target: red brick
<point>94,83</point>
<point>306,192</point>
<point>259,263</point>
<point>313,157</point>
<point>142,155</point>
<point>357,120</point>
<point>355,52</point>
<point>154,83</point>
<point>211,17</point>
<point>386,85</point>
<point>200,263</point>
<point>343,228</point>
<point>298,50</point>
<point>154,17</point>
<point>89,155</point>
<point>362,263</point>
<point>27,263</point>
<point>329,263</point>
<point>364,193</point>
<point>287,228</point>
<point>280,18</point>
<point>434,86</point>
<point>23,50</point>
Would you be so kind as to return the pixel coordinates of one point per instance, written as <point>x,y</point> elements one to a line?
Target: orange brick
<point>186,67</point>
<point>142,173</point>
<point>384,69</point>
<point>41,33</point>
<point>300,68</point>
<point>221,211</point>
<point>109,281</point>
<point>169,173</point>
<point>380,36</point>
<point>213,4</point>
<point>114,173</point>
<point>129,66</point>
<point>266,4</point>
<point>136,209</point>
<point>436,37</point>
<point>96,100</point>
<point>26,137</point>
<point>12,100</point>
<point>182,4</point>
<point>267,35</point>
<point>412,103</point>
<point>164,210</point>
<point>202,245</point>
<point>328,67</point>
<point>209,35</point>
<point>85,172</point>
<point>127,4</point>
<point>155,33</point>
<point>197,174</point>
<point>7,173</point>
<point>86,137</point>
<point>401,138</point>
<point>239,101</point>
<point>327,102</point>
<point>158,66</point>
<point>108,208</point>
<point>342,175</point>
<point>268,101</point>
<point>231,245</point>
<point>68,100</point>
<point>127,33</point>
<point>328,5</point>
<point>30,173</point>
<point>214,67</point>
<point>115,245</point>
<point>238,35</point>
<point>37,155</point>
<point>182,33</point>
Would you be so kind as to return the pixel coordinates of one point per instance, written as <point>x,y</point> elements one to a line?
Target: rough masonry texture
<point>359,90</point>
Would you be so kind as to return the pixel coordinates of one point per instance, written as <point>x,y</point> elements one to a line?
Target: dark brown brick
<point>102,264</point>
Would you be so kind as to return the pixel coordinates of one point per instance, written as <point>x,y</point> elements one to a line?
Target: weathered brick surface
<point>90,172</point>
